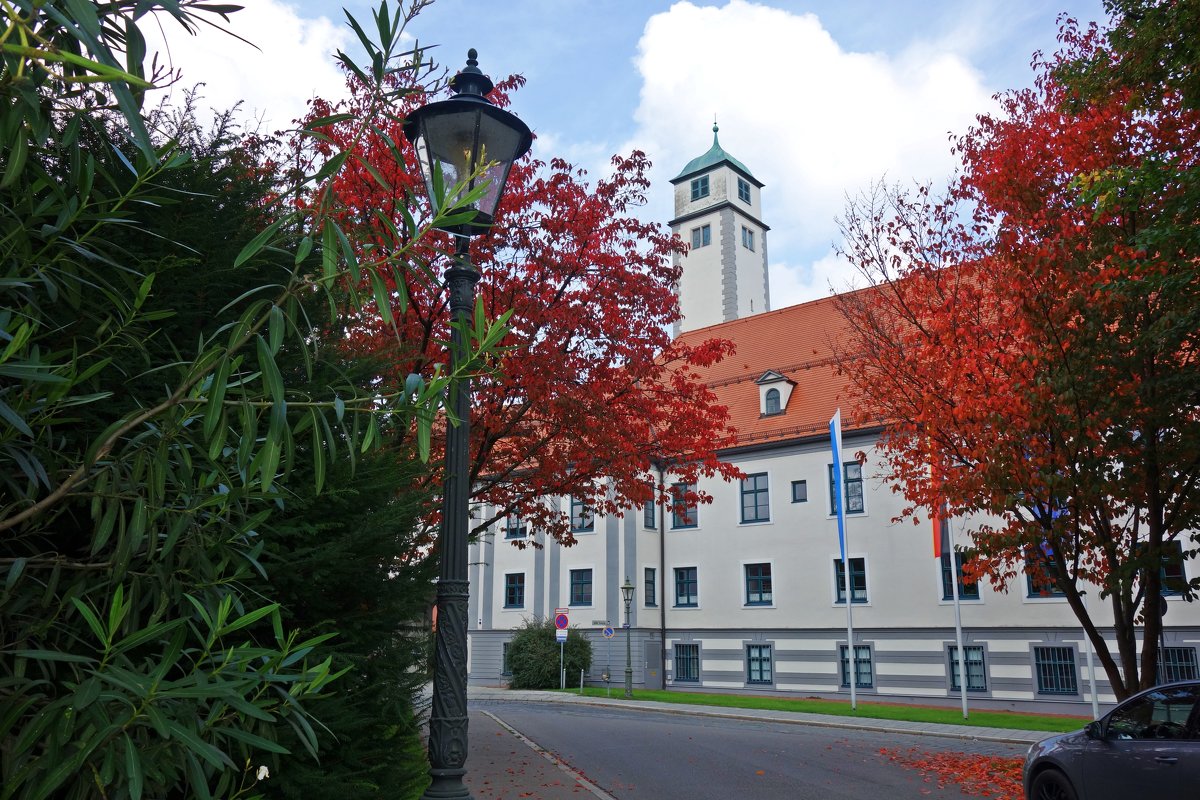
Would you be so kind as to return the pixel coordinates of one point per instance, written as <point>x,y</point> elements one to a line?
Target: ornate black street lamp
<point>627,595</point>
<point>454,140</point>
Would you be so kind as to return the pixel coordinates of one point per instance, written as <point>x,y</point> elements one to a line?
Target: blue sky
<point>818,99</point>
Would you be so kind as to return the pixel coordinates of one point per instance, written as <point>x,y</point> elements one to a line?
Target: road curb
<point>878,726</point>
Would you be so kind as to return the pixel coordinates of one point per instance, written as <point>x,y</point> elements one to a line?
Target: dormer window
<point>771,402</point>
<point>699,187</point>
<point>774,391</point>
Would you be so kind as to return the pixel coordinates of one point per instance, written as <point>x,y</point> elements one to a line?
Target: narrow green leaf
<point>133,769</point>
<point>332,119</point>
<point>256,244</point>
<point>318,452</point>
<point>54,655</point>
<point>14,419</point>
<point>248,619</point>
<point>253,740</point>
<point>276,323</point>
<point>272,379</point>
<point>383,301</point>
<point>304,249</point>
<point>331,166</point>
<point>216,397</point>
<point>90,617</point>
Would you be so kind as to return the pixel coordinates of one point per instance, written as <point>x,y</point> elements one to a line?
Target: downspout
<point>662,581</point>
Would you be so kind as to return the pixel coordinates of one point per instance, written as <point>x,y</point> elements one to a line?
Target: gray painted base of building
<point>906,666</point>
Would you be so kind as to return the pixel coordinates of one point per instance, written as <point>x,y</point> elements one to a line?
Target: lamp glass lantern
<point>627,593</point>
<point>457,138</point>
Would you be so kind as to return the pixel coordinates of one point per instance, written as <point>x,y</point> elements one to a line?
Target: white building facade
<point>746,593</point>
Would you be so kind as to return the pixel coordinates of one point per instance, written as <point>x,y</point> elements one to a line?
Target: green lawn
<point>841,708</point>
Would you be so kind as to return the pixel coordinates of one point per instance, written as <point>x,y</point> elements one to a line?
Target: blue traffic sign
<point>560,621</point>
<point>609,633</point>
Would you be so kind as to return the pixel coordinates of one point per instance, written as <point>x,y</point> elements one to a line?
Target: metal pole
<point>448,716</point>
<point>1087,641</point>
<point>628,654</point>
<point>958,632</point>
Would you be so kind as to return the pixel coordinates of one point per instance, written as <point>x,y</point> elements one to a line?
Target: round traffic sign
<point>560,621</point>
<point>609,633</point>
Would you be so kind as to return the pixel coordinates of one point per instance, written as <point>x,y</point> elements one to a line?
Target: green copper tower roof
<point>715,155</point>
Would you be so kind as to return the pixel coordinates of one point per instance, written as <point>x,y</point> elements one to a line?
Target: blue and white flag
<point>835,439</point>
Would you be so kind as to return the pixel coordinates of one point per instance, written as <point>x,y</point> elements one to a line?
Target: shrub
<point>533,655</point>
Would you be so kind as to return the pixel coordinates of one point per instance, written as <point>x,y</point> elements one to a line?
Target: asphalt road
<point>637,754</point>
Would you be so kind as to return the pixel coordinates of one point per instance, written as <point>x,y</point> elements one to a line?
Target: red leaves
<point>978,776</point>
<point>588,388</point>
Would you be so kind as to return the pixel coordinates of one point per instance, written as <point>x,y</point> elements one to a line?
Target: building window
<point>505,662</point>
<point>650,512</point>
<point>650,587</point>
<point>1055,670</point>
<point>701,237</point>
<point>513,529</point>
<point>582,519</point>
<point>976,673</point>
<point>758,585</point>
<point>863,674</point>
<point>683,510</point>
<point>799,491</point>
<point>771,402</point>
<point>966,591</point>
<point>699,187</point>
<point>1040,567</point>
<point>743,191</point>
<point>687,593</point>
<point>858,580</point>
<point>756,506</point>
<point>1174,579</point>
<point>1177,664</point>
<point>747,238</point>
<point>687,663</point>
<point>514,590</point>
<point>758,663</point>
<point>852,486</point>
<point>581,587</point>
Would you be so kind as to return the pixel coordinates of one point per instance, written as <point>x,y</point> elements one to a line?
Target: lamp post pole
<point>627,596</point>
<point>448,716</point>
<point>466,146</point>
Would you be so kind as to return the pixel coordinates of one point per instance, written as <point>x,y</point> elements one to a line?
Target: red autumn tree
<point>1031,342</point>
<point>589,389</point>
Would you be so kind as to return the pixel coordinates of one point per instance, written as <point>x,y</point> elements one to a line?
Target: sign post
<point>608,634</point>
<point>562,619</point>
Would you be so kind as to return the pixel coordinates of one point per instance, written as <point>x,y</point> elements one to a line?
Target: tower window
<point>700,187</point>
<point>747,238</point>
<point>702,236</point>
<point>743,191</point>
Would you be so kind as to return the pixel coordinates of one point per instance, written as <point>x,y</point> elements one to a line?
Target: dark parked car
<point>1148,746</point>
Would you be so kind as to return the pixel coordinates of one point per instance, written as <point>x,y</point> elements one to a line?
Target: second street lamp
<point>455,139</point>
<point>627,596</point>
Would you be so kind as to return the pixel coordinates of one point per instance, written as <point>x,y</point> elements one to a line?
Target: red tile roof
<point>798,342</point>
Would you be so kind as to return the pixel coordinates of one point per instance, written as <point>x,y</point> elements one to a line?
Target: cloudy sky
<point>816,98</point>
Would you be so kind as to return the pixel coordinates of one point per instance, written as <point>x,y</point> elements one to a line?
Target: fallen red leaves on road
<point>994,777</point>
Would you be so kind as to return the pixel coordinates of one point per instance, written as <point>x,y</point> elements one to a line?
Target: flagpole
<point>958,633</point>
<point>835,440</point>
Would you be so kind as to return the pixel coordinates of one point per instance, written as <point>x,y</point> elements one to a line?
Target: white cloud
<point>294,60</point>
<point>812,121</point>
